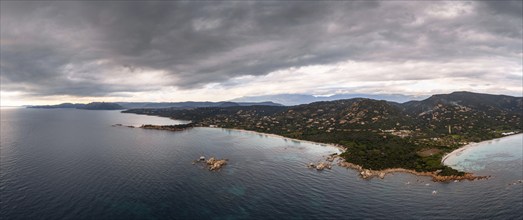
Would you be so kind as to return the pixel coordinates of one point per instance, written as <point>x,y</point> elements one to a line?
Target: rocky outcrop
<point>168,127</point>
<point>121,125</point>
<point>212,163</point>
<point>467,176</point>
<point>331,157</point>
<point>350,165</point>
<point>368,174</point>
<point>216,164</point>
<point>320,166</point>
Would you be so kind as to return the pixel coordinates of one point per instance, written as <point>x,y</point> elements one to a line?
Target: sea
<point>74,164</point>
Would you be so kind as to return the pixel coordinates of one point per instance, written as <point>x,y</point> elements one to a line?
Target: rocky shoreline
<point>216,164</point>
<point>121,125</point>
<point>369,174</point>
<point>159,127</point>
<point>167,127</point>
<point>320,166</point>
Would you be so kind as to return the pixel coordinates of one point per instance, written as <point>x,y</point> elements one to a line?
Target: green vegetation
<point>102,106</point>
<point>377,134</point>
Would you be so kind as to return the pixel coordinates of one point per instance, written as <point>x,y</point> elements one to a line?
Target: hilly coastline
<point>376,134</point>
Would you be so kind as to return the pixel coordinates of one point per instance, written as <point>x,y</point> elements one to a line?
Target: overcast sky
<point>53,52</point>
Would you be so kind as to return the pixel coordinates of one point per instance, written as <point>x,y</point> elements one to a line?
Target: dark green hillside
<point>102,106</point>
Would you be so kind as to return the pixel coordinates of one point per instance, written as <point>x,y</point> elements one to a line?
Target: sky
<point>66,51</point>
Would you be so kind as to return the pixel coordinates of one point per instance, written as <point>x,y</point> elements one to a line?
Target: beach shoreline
<point>340,148</point>
<point>465,147</point>
<point>458,151</point>
<point>368,173</point>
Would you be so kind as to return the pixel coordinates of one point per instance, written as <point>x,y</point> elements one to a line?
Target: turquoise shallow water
<point>499,154</point>
<point>72,164</point>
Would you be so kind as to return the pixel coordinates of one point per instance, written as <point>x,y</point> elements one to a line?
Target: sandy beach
<point>367,173</point>
<point>460,150</point>
<point>339,147</point>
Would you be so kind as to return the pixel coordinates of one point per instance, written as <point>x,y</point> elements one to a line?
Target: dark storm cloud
<point>73,48</point>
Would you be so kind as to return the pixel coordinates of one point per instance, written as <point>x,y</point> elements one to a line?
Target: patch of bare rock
<point>212,163</point>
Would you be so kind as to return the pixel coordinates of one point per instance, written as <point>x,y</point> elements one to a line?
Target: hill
<point>101,106</point>
<point>298,99</point>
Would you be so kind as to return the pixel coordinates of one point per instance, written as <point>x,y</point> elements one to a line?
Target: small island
<point>212,163</point>
<point>378,137</point>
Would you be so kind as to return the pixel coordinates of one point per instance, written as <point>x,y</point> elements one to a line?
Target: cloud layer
<point>220,50</point>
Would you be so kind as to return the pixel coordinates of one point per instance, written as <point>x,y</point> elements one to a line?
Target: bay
<point>72,164</point>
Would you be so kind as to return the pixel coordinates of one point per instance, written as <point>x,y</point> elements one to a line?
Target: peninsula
<point>377,135</point>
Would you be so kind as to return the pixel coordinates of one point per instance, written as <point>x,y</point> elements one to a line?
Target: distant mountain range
<point>190,104</point>
<point>89,106</point>
<point>131,105</point>
<point>298,99</point>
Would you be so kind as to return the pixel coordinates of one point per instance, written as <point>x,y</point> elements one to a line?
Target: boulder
<point>321,166</point>
<point>215,164</point>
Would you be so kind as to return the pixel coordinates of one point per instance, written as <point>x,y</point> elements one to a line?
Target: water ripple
<point>52,170</point>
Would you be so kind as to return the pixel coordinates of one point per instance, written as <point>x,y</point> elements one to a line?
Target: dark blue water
<point>72,164</point>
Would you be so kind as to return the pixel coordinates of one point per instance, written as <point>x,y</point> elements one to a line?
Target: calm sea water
<point>490,156</point>
<point>72,164</point>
